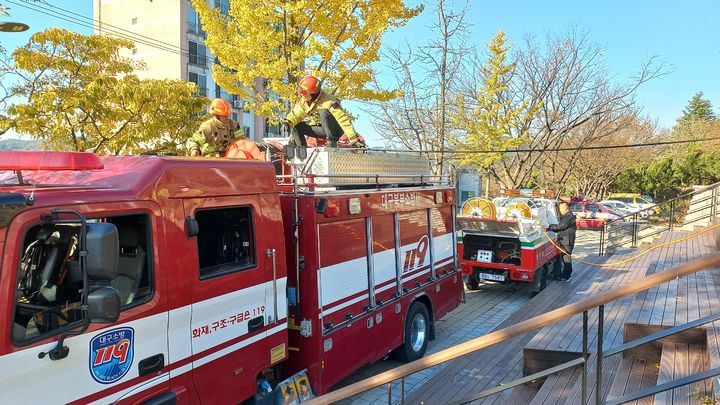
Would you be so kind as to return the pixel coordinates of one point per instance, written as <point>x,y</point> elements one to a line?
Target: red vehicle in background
<point>590,214</point>
<point>169,280</point>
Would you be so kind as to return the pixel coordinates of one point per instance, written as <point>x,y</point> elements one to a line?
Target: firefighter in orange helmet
<point>327,119</point>
<point>215,134</point>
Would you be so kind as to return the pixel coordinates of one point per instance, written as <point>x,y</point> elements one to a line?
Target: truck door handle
<point>256,323</point>
<point>151,364</point>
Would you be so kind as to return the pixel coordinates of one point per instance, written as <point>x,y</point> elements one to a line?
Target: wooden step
<point>681,360</point>
<point>633,375</point>
<point>653,350</point>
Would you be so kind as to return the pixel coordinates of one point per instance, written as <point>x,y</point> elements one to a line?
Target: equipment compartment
<point>500,250</point>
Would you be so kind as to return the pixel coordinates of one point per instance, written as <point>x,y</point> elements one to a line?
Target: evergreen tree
<point>698,109</point>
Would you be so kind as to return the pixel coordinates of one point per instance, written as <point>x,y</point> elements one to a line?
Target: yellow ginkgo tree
<point>263,47</point>
<point>75,92</point>
<point>491,120</point>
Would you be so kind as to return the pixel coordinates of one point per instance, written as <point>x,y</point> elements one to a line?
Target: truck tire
<point>417,334</point>
<point>540,280</point>
<point>472,283</point>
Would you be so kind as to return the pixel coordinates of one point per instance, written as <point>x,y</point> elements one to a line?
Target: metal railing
<point>631,229</point>
<point>581,307</point>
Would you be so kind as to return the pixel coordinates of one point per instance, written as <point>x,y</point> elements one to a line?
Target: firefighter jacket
<point>566,231</point>
<point>214,137</point>
<point>326,101</point>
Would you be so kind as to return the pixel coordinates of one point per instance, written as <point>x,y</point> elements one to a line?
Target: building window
<point>194,23</point>
<point>271,130</point>
<point>223,94</point>
<point>234,116</point>
<point>223,5</point>
<point>192,19</point>
<point>201,81</point>
<point>226,242</point>
<point>197,54</point>
<point>246,131</point>
<point>134,20</point>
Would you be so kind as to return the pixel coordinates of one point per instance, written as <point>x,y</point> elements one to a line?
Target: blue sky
<point>684,35</point>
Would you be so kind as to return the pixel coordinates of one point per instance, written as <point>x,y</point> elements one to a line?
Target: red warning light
<point>34,160</point>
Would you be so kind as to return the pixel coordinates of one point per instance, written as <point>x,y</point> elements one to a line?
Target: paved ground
<point>484,310</point>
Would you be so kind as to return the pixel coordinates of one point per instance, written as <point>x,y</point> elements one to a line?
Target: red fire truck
<point>199,280</point>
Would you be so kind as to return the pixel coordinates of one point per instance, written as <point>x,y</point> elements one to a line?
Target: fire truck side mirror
<point>191,227</point>
<point>103,249</point>
<point>104,305</point>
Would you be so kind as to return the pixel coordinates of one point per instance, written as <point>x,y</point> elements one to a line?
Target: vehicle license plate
<point>493,277</point>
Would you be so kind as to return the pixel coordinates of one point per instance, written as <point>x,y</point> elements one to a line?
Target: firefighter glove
<point>358,144</point>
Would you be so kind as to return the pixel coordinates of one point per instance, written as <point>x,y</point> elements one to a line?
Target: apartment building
<point>170,40</point>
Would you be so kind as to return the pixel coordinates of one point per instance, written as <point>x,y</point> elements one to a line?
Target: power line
<point>104,24</point>
<point>70,16</point>
<point>579,148</point>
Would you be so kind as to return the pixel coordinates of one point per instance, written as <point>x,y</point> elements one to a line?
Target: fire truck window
<point>49,280</point>
<point>225,240</point>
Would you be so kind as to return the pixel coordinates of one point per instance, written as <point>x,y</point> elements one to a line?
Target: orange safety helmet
<point>220,107</point>
<point>309,85</point>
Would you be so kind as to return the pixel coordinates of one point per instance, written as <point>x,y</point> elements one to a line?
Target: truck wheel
<point>417,334</point>
<point>472,283</point>
<point>540,280</point>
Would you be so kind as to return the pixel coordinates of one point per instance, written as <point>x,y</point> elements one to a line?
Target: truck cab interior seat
<point>131,262</point>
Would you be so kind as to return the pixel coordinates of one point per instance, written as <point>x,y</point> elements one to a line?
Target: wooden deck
<point>673,303</point>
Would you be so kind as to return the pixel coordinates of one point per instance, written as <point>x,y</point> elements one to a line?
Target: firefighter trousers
<point>329,128</point>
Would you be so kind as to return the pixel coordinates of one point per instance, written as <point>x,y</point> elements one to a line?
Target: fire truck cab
<point>192,280</point>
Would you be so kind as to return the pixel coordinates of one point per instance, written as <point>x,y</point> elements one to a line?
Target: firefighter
<point>215,134</point>
<point>327,117</point>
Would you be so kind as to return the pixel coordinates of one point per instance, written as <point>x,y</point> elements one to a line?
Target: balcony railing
<point>198,60</point>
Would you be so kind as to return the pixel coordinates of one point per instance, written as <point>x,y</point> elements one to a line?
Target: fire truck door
<point>231,314</point>
<point>109,362</point>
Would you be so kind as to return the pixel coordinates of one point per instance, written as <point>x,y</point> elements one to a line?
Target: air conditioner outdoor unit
<point>237,104</point>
